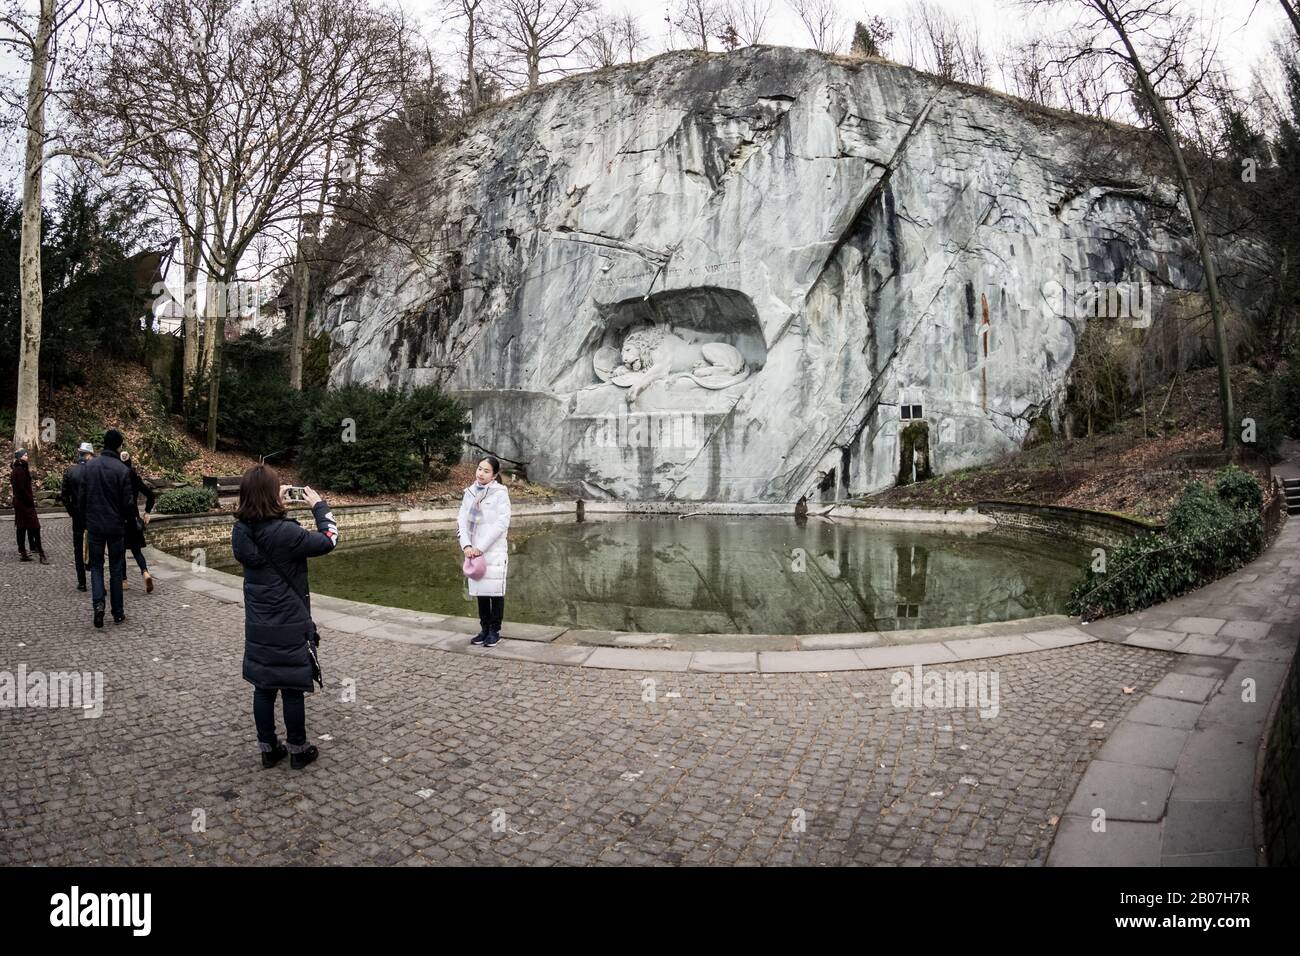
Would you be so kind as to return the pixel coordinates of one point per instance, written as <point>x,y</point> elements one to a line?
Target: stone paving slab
<point>1163,712</point>
<point>1204,826</point>
<point>1186,687</point>
<point>1218,763</point>
<point>829,642</point>
<point>882,657</point>
<point>1121,844</point>
<point>724,662</point>
<point>1061,637</point>
<point>630,659</point>
<point>1124,792</point>
<point>968,650</point>
<point>1143,745</point>
<point>789,662</point>
<point>1155,638</point>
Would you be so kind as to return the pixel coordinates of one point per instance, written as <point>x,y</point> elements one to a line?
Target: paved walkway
<point>488,757</point>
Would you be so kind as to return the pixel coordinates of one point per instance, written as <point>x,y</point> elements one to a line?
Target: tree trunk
<point>190,310</point>
<point>1198,226</point>
<point>216,324</point>
<point>301,280</point>
<point>1292,14</point>
<point>211,303</point>
<point>27,413</point>
<point>192,250</point>
<point>471,79</point>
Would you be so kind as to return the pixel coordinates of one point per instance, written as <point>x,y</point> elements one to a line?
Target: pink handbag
<point>475,567</point>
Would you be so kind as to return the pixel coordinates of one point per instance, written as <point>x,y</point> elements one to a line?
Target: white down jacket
<point>489,536</point>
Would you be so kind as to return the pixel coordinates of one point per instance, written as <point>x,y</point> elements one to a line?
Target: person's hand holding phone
<point>310,497</point>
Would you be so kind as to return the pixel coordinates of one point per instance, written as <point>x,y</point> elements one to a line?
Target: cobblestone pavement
<point>453,758</point>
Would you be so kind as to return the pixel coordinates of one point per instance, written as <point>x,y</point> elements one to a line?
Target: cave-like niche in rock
<point>681,349</point>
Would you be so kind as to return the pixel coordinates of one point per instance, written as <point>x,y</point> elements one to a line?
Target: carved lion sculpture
<point>652,355</point>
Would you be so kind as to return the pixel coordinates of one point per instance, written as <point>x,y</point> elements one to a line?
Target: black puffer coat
<point>71,490</point>
<point>277,624</point>
<point>105,498</point>
<point>134,526</point>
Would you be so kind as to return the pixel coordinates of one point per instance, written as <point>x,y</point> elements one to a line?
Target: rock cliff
<point>740,277</point>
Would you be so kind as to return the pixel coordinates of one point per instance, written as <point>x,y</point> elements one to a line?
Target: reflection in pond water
<point>717,574</point>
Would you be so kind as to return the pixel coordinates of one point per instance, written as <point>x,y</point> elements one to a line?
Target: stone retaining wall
<point>1280,781</point>
<point>1092,527</point>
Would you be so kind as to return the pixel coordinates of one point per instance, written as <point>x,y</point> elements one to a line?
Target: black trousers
<point>138,554</point>
<point>78,550</point>
<point>490,610</point>
<point>295,718</point>
<point>116,548</point>
<point>32,535</point>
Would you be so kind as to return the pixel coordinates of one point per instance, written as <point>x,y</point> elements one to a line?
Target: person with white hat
<point>68,492</point>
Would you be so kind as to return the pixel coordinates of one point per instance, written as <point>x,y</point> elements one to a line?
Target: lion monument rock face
<point>738,277</point>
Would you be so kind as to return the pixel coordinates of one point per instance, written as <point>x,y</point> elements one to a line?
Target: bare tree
<point>601,42</point>
<point>540,36</point>
<point>1153,49</point>
<point>937,41</point>
<point>297,88</point>
<point>55,41</point>
<point>699,20</point>
<point>1292,14</point>
<point>472,15</point>
<point>821,18</point>
<point>631,35</point>
<point>746,20</point>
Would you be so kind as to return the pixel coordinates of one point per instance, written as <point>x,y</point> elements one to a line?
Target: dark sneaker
<point>99,617</point>
<point>119,618</point>
<point>81,587</point>
<point>493,639</point>
<point>298,761</point>
<point>479,638</point>
<point>272,757</point>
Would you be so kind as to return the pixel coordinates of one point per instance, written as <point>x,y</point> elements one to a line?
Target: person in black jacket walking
<point>134,533</point>
<point>69,491</point>
<point>105,500</point>
<point>279,636</point>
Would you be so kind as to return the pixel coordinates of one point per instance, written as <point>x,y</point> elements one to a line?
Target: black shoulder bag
<point>313,640</point>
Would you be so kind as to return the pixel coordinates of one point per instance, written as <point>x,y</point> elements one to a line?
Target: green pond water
<point>713,574</point>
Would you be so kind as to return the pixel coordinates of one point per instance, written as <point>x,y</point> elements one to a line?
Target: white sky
<point>1243,30</point>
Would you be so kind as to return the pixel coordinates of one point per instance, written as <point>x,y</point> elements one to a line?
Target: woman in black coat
<point>279,636</point>
<point>25,519</point>
<point>134,534</point>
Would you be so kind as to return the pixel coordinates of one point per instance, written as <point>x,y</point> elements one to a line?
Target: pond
<point>714,574</point>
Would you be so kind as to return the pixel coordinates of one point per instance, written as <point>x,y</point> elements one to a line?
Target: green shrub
<point>1239,489</point>
<point>357,440</point>
<point>391,442</point>
<point>1210,533</point>
<point>262,412</point>
<point>186,501</point>
<point>53,482</point>
<point>437,425</point>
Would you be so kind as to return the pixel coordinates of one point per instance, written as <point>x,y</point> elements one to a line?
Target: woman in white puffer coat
<point>483,523</point>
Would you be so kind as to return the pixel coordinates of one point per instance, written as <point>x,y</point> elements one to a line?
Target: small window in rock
<point>908,610</point>
<point>907,412</point>
<point>916,412</point>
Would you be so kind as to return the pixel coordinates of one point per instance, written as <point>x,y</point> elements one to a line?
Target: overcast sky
<point>1242,29</point>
